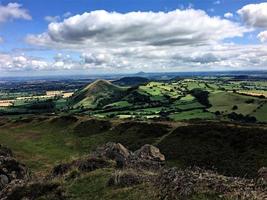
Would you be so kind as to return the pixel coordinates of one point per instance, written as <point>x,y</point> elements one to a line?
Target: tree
<point>234,107</point>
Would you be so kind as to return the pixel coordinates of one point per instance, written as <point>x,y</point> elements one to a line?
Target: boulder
<point>115,151</point>
<point>149,152</point>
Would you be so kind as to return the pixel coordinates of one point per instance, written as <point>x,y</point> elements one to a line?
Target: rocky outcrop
<point>144,166</point>
<point>114,151</point>
<point>177,184</point>
<point>10,168</point>
<point>147,157</point>
<point>16,182</point>
<point>149,152</point>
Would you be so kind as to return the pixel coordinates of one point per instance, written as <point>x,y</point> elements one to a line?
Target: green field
<point>169,100</point>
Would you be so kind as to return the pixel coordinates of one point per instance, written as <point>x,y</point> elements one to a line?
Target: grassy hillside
<point>229,148</point>
<point>131,81</point>
<point>97,94</point>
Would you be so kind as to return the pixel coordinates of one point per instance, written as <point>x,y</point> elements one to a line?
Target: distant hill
<point>97,94</point>
<point>131,81</point>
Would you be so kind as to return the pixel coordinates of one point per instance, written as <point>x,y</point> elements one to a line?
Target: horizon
<point>48,38</point>
<point>249,73</point>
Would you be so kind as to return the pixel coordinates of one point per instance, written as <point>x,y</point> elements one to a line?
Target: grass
<point>233,151</point>
<point>224,102</point>
<point>261,113</point>
<point>230,149</point>
<point>41,145</point>
<point>119,104</point>
<point>192,114</point>
<point>94,186</point>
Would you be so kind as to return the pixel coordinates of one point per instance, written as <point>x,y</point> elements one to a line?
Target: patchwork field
<point>176,100</point>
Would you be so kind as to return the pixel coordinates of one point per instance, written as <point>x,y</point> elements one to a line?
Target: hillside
<point>96,94</point>
<point>131,81</point>
<point>114,172</point>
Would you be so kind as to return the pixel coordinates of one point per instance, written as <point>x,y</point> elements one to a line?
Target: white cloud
<point>217,2</point>
<point>10,62</point>
<point>180,40</point>
<point>228,15</point>
<point>23,63</point>
<point>262,36</point>
<point>1,40</point>
<point>13,11</point>
<point>176,40</point>
<point>175,28</point>
<point>254,15</point>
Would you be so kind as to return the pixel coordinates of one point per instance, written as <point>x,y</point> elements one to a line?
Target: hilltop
<point>97,94</point>
<point>131,81</point>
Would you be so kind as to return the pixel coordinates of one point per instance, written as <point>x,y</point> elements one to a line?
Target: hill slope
<point>96,94</point>
<point>131,81</point>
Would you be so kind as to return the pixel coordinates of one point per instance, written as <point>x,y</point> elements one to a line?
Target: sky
<point>73,37</point>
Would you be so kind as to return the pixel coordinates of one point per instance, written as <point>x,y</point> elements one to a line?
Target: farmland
<point>183,99</point>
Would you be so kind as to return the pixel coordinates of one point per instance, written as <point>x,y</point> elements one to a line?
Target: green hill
<point>131,81</point>
<point>97,94</point>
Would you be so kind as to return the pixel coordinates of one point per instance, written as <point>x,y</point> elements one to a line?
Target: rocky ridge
<point>146,165</point>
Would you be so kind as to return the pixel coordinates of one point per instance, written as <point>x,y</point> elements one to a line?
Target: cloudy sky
<point>63,37</point>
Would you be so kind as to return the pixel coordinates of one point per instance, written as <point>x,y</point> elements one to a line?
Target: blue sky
<point>74,36</point>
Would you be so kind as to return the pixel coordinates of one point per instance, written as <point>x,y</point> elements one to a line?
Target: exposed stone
<point>115,151</point>
<point>6,152</point>
<point>3,181</point>
<point>149,152</point>
<point>13,169</point>
<point>176,184</point>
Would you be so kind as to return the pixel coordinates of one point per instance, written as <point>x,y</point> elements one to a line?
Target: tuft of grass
<point>94,186</point>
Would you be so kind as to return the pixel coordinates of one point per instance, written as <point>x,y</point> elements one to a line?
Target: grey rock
<point>149,152</point>
<point>3,181</point>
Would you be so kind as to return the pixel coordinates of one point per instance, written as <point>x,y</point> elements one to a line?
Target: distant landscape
<point>240,98</point>
<point>133,100</point>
